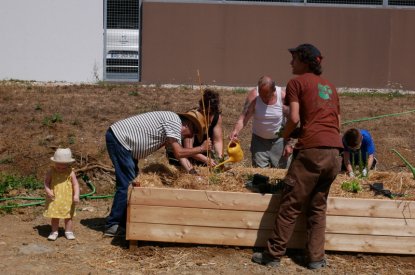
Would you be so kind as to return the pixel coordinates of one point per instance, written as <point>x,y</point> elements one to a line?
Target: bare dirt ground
<point>36,119</point>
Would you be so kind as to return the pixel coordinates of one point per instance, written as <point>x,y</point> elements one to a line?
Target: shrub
<point>10,182</point>
<point>351,186</point>
<point>49,120</point>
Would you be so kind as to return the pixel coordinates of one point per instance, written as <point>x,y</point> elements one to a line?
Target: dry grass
<point>235,178</point>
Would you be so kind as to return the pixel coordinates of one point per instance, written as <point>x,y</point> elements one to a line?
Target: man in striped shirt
<point>135,138</point>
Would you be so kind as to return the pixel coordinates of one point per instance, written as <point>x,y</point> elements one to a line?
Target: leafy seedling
<point>351,186</point>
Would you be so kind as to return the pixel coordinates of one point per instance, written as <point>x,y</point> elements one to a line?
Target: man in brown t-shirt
<point>314,104</point>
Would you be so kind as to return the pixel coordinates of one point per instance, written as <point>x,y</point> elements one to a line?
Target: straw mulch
<point>235,179</point>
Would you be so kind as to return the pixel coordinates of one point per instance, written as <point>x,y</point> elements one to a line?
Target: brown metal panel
<point>234,44</point>
<point>402,53</point>
<point>355,44</point>
<point>179,39</point>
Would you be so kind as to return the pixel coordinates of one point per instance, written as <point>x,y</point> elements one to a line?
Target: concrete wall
<point>51,40</point>
<point>234,44</point>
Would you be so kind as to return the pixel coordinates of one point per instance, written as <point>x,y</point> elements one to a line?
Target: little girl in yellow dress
<point>62,191</point>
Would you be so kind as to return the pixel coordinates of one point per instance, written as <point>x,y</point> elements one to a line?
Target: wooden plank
<point>370,243</point>
<point>371,226</point>
<point>371,208</point>
<point>203,199</point>
<point>265,220</point>
<point>267,202</point>
<point>258,238</point>
<point>203,235</point>
<point>202,217</point>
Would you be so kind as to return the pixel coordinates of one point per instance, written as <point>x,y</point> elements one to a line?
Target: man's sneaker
<point>115,231</point>
<point>317,265</point>
<point>265,259</point>
<point>111,231</point>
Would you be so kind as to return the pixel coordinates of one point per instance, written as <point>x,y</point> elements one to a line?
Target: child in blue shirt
<point>358,144</point>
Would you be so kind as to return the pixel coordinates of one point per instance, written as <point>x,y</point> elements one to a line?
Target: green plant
<point>361,166</point>
<point>43,142</point>
<point>373,93</point>
<point>214,178</point>
<point>186,87</point>
<point>133,93</point>
<point>213,155</point>
<point>10,182</point>
<point>351,186</point>
<point>407,163</point>
<point>6,160</point>
<point>395,88</point>
<point>240,90</point>
<point>38,107</point>
<point>76,122</point>
<point>49,120</point>
<point>11,205</point>
<point>249,177</point>
<point>394,94</point>
<point>71,139</point>
<point>19,81</point>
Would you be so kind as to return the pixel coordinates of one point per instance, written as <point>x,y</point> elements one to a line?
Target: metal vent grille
<point>121,40</point>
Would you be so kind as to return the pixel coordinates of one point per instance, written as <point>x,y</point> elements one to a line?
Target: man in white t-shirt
<point>265,104</point>
<point>135,138</point>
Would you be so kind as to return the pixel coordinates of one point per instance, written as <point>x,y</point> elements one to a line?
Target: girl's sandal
<point>69,235</point>
<point>53,236</point>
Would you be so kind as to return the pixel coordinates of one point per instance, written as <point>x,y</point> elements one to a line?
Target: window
<point>122,14</point>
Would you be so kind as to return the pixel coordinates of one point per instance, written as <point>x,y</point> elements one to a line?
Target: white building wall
<point>51,40</point>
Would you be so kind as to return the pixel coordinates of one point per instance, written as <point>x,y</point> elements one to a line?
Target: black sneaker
<point>317,265</point>
<point>265,259</point>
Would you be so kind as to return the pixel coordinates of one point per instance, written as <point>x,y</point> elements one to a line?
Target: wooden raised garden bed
<point>246,219</point>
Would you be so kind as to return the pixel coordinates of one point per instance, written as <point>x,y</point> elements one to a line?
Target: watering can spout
<point>235,153</point>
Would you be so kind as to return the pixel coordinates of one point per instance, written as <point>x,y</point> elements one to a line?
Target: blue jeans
<point>126,170</point>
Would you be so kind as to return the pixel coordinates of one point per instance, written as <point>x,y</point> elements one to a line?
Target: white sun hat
<point>63,155</point>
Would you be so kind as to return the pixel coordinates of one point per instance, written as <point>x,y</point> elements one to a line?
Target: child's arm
<point>49,192</point>
<point>347,164</point>
<point>75,187</point>
<point>370,161</point>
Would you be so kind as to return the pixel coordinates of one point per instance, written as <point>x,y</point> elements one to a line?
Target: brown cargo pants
<point>307,186</point>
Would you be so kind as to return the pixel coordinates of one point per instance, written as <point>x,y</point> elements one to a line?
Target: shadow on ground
<point>96,224</point>
<point>43,230</point>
